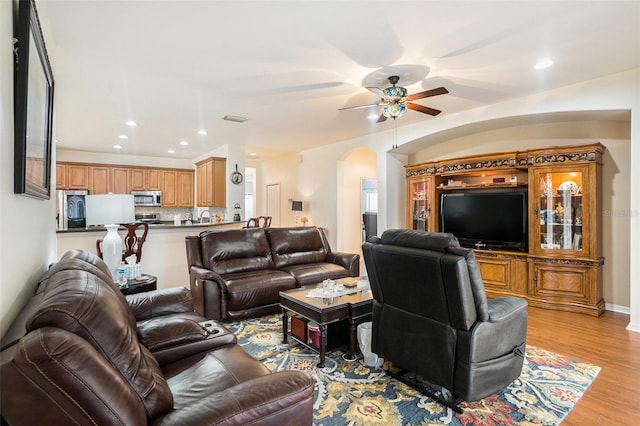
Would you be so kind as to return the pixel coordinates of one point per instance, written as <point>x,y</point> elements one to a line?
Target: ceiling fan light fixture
<point>394,110</point>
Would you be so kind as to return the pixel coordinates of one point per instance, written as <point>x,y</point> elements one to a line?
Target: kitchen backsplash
<point>166,213</point>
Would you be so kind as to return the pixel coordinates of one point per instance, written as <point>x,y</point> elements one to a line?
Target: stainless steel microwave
<point>147,198</point>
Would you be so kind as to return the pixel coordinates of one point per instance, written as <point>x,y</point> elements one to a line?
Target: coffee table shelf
<point>354,308</point>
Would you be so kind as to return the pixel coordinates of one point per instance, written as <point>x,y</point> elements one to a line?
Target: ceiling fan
<point>395,101</point>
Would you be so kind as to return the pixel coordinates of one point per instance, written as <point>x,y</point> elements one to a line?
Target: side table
<point>138,286</point>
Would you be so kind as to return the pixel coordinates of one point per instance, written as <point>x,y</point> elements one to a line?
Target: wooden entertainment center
<point>562,268</point>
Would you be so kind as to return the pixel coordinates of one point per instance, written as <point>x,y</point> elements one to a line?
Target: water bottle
<point>122,277</point>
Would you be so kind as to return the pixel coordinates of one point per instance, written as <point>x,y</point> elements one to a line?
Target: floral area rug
<point>350,393</point>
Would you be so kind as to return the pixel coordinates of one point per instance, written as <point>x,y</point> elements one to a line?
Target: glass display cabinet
<point>559,223</point>
<point>421,201</point>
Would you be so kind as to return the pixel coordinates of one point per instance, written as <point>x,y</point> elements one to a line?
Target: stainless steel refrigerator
<point>71,209</point>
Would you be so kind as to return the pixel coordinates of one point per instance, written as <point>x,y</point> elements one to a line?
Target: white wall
<point>27,225</point>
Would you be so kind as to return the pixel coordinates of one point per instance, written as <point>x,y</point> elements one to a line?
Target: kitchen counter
<point>164,253</point>
<point>163,225</point>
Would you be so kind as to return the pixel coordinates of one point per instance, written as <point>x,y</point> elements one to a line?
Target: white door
<point>273,203</point>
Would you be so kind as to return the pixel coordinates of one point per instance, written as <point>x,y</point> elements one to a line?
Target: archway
<point>355,166</point>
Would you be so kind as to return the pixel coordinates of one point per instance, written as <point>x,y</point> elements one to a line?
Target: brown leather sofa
<point>80,353</point>
<point>239,273</point>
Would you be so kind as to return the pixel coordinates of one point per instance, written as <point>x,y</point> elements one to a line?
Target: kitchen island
<point>164,254</point>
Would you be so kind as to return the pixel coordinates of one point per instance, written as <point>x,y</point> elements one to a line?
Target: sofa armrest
<point>155,303</point>
<point>503,307</point>
<point>348,261</point>
<point>505,330</point>
<point>175,337</point>
<point>208,291</point>
<point>280,398</point>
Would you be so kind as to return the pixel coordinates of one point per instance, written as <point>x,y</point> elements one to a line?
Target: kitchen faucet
<point>202,214</point>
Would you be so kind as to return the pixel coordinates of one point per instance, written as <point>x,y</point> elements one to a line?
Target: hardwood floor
<point>614,396</point>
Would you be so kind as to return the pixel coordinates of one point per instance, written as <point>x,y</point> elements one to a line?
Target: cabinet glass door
<point>560,207</point>
<point>420,205</point>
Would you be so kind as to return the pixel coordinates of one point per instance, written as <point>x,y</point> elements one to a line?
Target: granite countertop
<point>163,225</point>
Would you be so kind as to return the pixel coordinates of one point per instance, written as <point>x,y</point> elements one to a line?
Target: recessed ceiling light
<point>171,151</point>
<point>253,154</point>
<point>117,146</point>
<point>202,132</point>
<point>372,116</point>
<point>131,123</point>
<point>184,143</point>
<point>123,137</point>
<point>543,63</point>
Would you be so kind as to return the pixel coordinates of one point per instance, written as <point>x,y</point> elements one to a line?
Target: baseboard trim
<point>617,308</point>
<point>634,327</point>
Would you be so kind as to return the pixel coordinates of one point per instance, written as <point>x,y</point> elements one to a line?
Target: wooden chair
<point>264,221</point>
<point>251,223</point>
<point>133,241</point>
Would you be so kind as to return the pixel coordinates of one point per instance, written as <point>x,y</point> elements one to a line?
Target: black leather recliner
<point>431,315</point>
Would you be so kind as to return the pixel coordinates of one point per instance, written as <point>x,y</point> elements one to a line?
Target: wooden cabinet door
<point>169,188</point>
<point>61,176</point>
<point>77,176</point>
<point>185,189</point>
<point>200,182</point>
<point>137,179</point>
<point>219,182</point>
<point>119,180</point>
<point>154,180</point>
<point>99,180</point>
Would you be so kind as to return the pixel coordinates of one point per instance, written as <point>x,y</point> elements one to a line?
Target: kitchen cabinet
<point>185,188</point>
<point>211,182</point>
<point>61,176</point>
<point>138,179</point>
<point>168,187</point>
<point>119,180</point>
<point>77,176</point>
<point>562,266</point>
<point>154,177</point>
<point>98,180</point>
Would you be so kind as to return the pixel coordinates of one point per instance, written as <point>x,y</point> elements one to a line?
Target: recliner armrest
<point>285,397</point>
<point>204,274</point>
<point>155,303</point>
<point>502,307</point>
<point>349,261</point>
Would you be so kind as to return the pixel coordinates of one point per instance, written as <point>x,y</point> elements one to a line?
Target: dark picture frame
<point>33,105</point>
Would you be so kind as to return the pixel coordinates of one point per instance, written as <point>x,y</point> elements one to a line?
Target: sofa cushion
<point>295,246</point>
<point>250,289</point>
<point>313,273</point>
<point>80,303</point>
<point>236,250</point>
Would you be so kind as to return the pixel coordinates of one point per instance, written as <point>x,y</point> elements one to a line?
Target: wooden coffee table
<point>354,308</point>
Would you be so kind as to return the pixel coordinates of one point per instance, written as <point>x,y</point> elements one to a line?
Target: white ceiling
<point>179,66</point>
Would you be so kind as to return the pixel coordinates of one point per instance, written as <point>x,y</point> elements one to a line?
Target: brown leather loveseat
<point>80,353</point>
<point>239,273</point>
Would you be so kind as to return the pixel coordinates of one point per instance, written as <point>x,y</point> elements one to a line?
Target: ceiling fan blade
<point>359,106</point>
<point>427,93</point>
<point>381,118</point>
<point>424,109</point>
<point>378,92</point>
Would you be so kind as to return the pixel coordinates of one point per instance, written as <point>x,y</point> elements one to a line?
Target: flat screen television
<point>491,219</point>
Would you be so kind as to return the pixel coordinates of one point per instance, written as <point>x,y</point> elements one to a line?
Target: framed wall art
<point>33,105</point>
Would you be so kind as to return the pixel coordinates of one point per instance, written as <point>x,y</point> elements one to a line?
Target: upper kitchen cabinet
<point>73,176</point>
<point>177,188</point>
<point>108,179</point>
<point>138,179</point>
<point>211,182</point>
